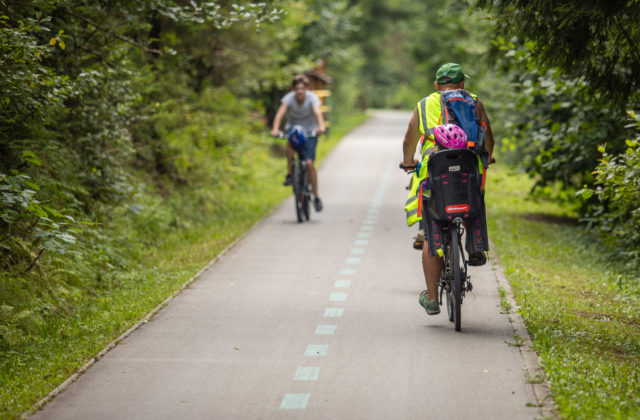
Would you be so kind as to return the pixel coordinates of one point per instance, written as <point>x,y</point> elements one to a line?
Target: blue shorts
<point>309,150</point>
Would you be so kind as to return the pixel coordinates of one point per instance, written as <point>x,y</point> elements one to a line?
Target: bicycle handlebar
<point>285,134</point>
<point>414,167</point>
<point>408,169</point>
<point>401,166</point>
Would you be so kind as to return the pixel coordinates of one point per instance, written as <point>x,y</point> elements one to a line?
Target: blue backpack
<point>459,108</point>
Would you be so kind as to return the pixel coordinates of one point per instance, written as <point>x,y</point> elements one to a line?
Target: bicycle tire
<point>457,278</point>
<point>449,297</point>
<point>298,191</point>
<point>306,205</point>
<point>306,201</point>
<point>448,281</point>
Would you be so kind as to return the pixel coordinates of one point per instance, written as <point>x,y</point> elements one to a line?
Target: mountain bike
<point>451,195</point>
<point>301,185</point>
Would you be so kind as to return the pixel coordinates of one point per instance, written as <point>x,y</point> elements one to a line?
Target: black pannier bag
<point>455,191</point>
<point>477,237</point>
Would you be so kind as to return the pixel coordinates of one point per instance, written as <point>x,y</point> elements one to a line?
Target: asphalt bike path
<point>318,320</point>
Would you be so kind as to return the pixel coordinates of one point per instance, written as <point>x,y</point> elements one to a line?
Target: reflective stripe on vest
<point>410,200</point>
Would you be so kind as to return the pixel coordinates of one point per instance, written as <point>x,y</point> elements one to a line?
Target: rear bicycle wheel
<point>447,281</point>
<point>450,306</point>
<point>298,190</point>
<point>457,268</point>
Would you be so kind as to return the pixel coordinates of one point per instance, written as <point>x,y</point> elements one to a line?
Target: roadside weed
<point>504,302</point>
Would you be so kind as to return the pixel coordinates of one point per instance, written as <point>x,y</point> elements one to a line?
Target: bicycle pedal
<point>469,286</point>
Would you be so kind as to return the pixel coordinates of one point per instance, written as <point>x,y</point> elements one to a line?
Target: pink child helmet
<point>450,136</point>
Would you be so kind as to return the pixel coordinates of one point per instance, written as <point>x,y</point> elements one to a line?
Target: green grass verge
<point>582,312</point>
<point>60,344</point>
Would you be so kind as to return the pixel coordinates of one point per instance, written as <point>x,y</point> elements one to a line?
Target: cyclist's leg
<point>290,153</point>
<point>432,268</point>
<point>313,178</point>
<point>310,156</point>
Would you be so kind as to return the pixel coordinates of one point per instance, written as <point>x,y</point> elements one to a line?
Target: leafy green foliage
<point>559,119</point>
<point>595,41</point>
<point>400,44</point>
<point>618,187</point>
<point>559,130</point>
<point>327,34</point>
<point>78,93</point>
<point>31,227</point>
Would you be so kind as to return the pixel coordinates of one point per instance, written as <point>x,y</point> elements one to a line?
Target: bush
<point>618,189</point>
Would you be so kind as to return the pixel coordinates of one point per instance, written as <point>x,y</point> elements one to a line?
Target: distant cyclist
<point>302,107</point>
<point>425,118</point>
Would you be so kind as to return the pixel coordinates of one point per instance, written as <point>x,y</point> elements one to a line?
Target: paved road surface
<point>316,321</point>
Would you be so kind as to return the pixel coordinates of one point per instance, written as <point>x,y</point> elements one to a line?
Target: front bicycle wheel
<point>457,267</point>
<point>306,206</point>
<point>306,199</point>
<point>298,191</point>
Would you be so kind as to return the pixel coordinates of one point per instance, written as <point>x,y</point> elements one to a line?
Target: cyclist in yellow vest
<point>425,117</point>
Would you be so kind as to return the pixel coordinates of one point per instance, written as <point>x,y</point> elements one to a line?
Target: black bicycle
<point>302,189</point>
<point>451,196</point>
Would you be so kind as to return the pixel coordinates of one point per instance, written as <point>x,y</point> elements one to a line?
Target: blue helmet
<point>297,138</point>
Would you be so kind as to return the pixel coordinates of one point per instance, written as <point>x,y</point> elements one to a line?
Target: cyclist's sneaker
<point>317,204</point>
<point>431,306</point>
<point>477,258</point>
<point>288,180</point>
<point>418,242</point>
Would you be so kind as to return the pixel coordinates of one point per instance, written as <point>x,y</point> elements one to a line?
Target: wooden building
<point>318,83</point>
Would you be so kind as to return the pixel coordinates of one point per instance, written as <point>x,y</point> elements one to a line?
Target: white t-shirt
<point>301,114</point>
